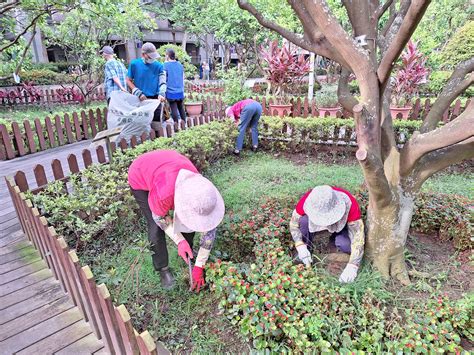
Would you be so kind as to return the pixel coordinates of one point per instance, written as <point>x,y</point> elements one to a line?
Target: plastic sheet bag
<point>134,116</point>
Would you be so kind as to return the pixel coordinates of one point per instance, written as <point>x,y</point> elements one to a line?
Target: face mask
<point>149,60</point>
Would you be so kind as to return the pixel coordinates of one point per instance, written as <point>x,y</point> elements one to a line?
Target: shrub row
<point>99,198</point>
<point>289,308</point>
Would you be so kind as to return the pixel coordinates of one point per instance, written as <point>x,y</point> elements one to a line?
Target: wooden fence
<point>19,96</point>
<point>18,140</point>
<point>110,324</point>
<point>197,87</point>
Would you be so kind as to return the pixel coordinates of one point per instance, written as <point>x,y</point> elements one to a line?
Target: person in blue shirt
<point>174,85</point>
<point>147,77</point>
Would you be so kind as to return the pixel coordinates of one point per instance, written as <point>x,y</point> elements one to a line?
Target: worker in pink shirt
<point>164,180</point>
<point>249,112</point>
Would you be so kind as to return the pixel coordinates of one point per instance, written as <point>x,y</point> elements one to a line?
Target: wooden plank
<point>22,271</point>
<point>40,331</point>
<point>59,129</point>
<point>100,154</point>
<point>18,263</point>
<point>146,343</point>
<point>57,168</point>
<point>92,123</point>
<point>126,330</point>
<point>10,238</point>
<point>40,175</point>
<point>72,162</point>
<point>24,307</point>
<point>29,136</point>
<point>86,345</point>
<point>85,126</point>
<point>101,122</point>
<point>87,157</point>
<point>108,311</point>
<point>58,340</point>
<point>25,252</point>
<point>21,181</point>
<point>7,145</point>
<point>18,139</point>
<point>77,126</point>
<point>40,134</point>
<point>28,292</point>
<point>34,317</point>
<point>68,128</point>
<point>50,132</point>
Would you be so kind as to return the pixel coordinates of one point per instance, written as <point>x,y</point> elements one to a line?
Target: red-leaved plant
<point>283,68</point>
<point>410,74</point>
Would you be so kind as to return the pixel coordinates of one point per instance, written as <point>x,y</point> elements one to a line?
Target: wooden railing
<point>18,140</point>
<point>110,324</point>
<point>17,96</point>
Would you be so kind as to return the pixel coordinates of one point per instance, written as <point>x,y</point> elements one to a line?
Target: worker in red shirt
<point>329,209</point>
<point>164,180</point>
<point>249,112</point>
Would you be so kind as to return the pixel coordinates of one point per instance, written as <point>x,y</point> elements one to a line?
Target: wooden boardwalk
<point>36,316</point>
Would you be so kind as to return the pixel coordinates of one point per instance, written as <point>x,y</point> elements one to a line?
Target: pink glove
<point>198,278</point>
<point>184,251</point>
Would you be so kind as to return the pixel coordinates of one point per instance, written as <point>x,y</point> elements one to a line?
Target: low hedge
<point>99,199</point>
<point>296,134</point>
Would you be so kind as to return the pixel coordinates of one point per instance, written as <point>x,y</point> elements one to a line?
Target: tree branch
<point>321,46</point>
<point>410,22</point>
<point>372,166</point>
<point>345,97</point>
<point>453,132</point>
<point>456,85</point>
<point>17,38</point>
<point>4,8</point>
<point>23,54</point>
<point>381,10</point>
<point>438,160</point>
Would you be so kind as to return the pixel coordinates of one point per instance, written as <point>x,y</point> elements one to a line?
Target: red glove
<point>198,278</point>
<point>184,251</point>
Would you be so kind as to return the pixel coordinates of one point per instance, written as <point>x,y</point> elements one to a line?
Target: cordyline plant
<point>411,74</point>
<point>283,68</point>
<point>393,175</point>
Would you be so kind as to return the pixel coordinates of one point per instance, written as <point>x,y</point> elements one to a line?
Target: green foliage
<point>460,47</point>
<point>436,213</point>
<point>100,195</point>
<point>327,97</point>
<point>182,56</point>
<point>289,308</point>
<point>234,88</point>
<point>438,80</point>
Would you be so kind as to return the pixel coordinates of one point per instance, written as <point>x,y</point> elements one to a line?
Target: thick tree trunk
<point>387,231</point>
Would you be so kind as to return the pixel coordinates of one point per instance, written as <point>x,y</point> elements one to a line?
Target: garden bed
<point>369,315</point>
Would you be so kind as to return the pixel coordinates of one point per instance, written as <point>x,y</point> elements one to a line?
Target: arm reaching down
<point>303,253</point>
<point>357,237</point>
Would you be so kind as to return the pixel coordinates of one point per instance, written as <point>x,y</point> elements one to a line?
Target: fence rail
<point>110,324</point>
<point>33,96</point>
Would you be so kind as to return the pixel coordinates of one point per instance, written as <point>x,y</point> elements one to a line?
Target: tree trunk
<point>387,231</point>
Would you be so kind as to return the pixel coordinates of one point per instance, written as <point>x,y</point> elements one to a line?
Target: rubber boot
<point>167,278</point>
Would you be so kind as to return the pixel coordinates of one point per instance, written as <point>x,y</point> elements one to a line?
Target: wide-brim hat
<point>325,206</point>
<point>228,111</point>
<point>197,202</point>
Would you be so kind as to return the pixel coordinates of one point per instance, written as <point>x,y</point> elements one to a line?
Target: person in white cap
<point>164,180</point>
<point>329,209</point>
<point>147,77</point>
<point>248,112</point>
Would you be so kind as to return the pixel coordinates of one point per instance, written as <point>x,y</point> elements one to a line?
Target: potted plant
<point>283,68</point>
<point>193,108</point>
<point>410,75</point>
<point>327,101</point>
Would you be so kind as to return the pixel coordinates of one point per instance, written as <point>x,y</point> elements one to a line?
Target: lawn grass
<point>8,116</point>
<point>187,322</point>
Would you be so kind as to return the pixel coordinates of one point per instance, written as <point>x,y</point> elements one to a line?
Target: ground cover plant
<point>326,314</point>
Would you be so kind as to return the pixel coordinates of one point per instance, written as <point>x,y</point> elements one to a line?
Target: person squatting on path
<point>335,210</point>
<point>165,180</point>
<point>147,77</point>
<point>115,78</point>
<point>174,85</point>
<point>249,112</point>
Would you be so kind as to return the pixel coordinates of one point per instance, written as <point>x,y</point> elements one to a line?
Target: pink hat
<point>197,202</point>
<point>229,112</point>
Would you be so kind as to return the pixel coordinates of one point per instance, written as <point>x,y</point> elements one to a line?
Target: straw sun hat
<point>325,206</point>
<point>198,205</point>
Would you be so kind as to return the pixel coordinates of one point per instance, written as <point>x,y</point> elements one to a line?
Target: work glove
<point>304,254</point>
<point>198,278</point>
<point>184,251</point>
<point>349,274</point>
<point>138,93</point>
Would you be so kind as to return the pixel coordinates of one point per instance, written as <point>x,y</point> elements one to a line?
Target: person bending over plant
<point>249,112</point>
<point>164,180</point>
<point>329,209</point>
